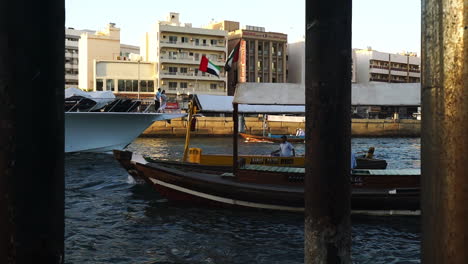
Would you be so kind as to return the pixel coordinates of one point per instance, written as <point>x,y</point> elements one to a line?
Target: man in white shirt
<point>286,149</point>
<point>157,98</point>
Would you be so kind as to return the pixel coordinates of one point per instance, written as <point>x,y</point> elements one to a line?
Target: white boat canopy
<point>269,94</point>
<point>364,94</point>
<point>223,104</point>
<point>284,98</point>
<point>101,98</point>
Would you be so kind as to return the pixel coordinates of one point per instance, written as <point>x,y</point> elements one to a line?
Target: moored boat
<point>100,122</point>
<point>274,188</point>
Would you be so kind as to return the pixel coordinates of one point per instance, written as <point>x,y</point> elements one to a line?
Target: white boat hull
<point>106,131</point>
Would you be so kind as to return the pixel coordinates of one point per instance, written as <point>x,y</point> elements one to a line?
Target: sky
<point>387,26</point>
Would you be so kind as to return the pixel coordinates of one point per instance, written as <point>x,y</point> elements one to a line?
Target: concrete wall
<point>222,126</point>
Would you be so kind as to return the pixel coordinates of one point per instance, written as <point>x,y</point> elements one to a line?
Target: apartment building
<point>376,66</point>
<point>176,49</point>
<point>262,56</point>
<point>71,55</point>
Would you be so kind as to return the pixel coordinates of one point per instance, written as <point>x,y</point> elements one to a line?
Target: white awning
<point>268,98</point>
<point>223,104</point>
<point>368,94</point>
<point>386,94</point>
<point>270,94</point>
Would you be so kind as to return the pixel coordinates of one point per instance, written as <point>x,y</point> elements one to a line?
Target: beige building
<point>262,55</point>
<point>375,66</point>
<point>103,45</point>
<point>176,49</point>
<point>130,78</point>
<point>107,65</point>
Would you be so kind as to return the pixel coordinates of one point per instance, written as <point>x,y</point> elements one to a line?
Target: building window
<point>172,70</point>
<point>99,84</point>
<point>183,85</point>
<point>183,70</point>
<point>213,86</point>
<point>110,85</point>
<point>151,86</point>
<point>197,56</point>
<point>121,85</point>
<point>135,85</point>
<point>184,39</point>
<point>128,85</point>
<point>143,86</point>
<point>172,85</point>
<point>204,42</point>
<point>173,39</point>
<point>173,55</point>
<point>197,42</point>
<point>214,42</point>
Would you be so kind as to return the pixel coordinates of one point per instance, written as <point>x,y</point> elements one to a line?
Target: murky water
<point>111,220</point>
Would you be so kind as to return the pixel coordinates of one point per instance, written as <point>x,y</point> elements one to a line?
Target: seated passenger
<point>370,153</point>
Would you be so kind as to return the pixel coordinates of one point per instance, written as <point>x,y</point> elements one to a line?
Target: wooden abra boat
<point>266,187</point>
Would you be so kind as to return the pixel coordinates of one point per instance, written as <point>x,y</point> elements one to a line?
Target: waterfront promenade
<point>222,126</point>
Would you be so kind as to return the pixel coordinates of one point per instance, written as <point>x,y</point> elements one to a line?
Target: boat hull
<point>222,189</point>
<point>105,131</point>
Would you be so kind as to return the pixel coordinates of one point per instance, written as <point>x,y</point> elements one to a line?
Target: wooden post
<point>444,136</point>
<point>32,53</point>
<point>328,129</point>
<point>235,135</point>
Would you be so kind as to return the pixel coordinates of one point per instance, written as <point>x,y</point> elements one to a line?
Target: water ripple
<point>110,219</point>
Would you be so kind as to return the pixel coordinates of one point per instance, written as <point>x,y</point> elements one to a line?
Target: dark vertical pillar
<point>32,131</point>
<point>328,129</point>
<point>444,137</point>
<point>235,135</point>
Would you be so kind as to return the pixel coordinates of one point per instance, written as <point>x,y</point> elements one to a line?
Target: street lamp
<point>139,59</point>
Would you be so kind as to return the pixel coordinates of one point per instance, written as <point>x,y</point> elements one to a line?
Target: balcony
<point>71,77</point>
<point>71,66</point>
<point>192,45</point>
<point>70,43</point>
<point>399,72</point>
<point>187,60</point>
<point>191,76</point>
<point>378,67</point>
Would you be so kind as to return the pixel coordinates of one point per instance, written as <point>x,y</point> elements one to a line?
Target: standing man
<point>286,149</point>
<point>162,101</point>
<point>157,98</point>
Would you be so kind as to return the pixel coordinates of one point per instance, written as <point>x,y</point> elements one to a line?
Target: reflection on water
<point>109,220</point>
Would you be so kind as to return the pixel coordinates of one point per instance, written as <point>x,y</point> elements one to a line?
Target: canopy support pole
<point>235,135</point>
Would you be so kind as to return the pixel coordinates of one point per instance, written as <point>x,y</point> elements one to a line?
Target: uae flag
<point>207,66</point>
<point>233,57</point>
